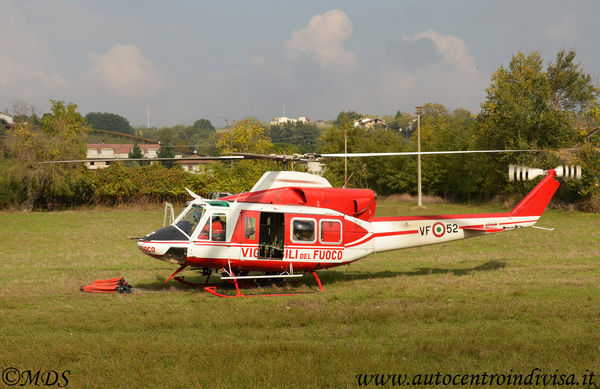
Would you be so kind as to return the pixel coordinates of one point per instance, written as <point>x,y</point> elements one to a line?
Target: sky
<point>188,60</point>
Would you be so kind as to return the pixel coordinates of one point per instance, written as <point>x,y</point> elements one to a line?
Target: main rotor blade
<point>350,155</point>
<point>272,157</point>
<point>218,158</point>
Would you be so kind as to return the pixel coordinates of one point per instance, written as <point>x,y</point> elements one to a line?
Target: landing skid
<point>213,289</point>
<point>182,280</point>
<point>231,278</point>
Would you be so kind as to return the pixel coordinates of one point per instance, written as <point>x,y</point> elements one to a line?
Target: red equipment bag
<point>112,285</point>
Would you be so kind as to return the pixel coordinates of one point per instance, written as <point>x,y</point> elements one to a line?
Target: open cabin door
<point>271,235</point>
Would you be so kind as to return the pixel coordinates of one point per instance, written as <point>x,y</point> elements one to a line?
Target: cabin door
<point>271,235</point>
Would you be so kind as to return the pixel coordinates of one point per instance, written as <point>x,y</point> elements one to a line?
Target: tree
<point>3,128</point>
<point>402,121</point>
<point>23,112</point>
<point>245,137</point>
<point>61,136</point>
<point>109,121</point>
<point>588,188</point>
<point>384,175</point>
<point>136,152</point>
<point>446,175</point>
<point>529,108</point>
<point>346,116</point>
<point>203,124</point>
<point>304,135</point>
<point>572,89</point>
<point>166,152</point>
<point>167,136</point>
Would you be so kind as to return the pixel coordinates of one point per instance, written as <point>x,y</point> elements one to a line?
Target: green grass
<point>509,302</point>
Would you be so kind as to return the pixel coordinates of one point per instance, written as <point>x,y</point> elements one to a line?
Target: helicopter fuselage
<point>308,226</point>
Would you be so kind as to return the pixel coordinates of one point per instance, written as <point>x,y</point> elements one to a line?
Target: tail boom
<point>393,233</point>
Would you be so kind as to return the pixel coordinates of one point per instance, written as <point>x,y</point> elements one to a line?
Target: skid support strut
<point>318,280</point>
<point>176,272</point>
<point>184,282</point>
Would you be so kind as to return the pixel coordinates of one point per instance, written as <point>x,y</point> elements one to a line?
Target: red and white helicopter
<point>291,223</point>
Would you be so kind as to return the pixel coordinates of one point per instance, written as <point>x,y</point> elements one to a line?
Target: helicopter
<point>292,223</point>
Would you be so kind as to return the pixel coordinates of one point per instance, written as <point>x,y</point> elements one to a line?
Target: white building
<point>369,122</point>
<point>193,164</point>
<point>284,120</point>
<point>7,118</point>
<point>115,150</point>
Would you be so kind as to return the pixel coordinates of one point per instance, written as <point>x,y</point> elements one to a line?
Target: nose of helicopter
<point>149,248</point>
<point>169,233</point>
<point>141,243</point>
<point>168,244</point>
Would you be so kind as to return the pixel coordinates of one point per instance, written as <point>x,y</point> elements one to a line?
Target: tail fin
<point>537,200</point>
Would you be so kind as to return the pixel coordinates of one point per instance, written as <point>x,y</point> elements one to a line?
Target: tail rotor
<point>524,173</point>
<point>568,171</point>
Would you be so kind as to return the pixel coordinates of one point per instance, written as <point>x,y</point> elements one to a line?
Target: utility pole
<point>345,156</point>
<point>419,194</point>
<point>148,116</point>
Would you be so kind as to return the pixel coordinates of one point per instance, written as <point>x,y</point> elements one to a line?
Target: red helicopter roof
<point>309,190</point>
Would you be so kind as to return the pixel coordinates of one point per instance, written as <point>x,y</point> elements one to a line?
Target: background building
<point>108,150</point>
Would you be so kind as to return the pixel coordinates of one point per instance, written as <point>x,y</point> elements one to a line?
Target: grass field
<point>503,304</point>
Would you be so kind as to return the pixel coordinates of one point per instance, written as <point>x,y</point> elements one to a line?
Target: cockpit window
<point>191,218</point>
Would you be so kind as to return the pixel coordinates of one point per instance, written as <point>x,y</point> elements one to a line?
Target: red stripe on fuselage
<point>392,233</point>
<point>166,241</point>
<point>438,217</point>
<point>383,234</point>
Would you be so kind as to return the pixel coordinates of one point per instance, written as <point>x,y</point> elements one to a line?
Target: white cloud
<point>566,30</point>
<point>258,61</point>
<point>323,38</point>
<point>23,54</point>
<point>453,49</point>
<point>453,80</point>
<point>124,70</point>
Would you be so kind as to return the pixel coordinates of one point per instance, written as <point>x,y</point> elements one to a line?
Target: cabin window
<point>214,228</point>
<point>250,228</point>
<point>303,230</point>
<point>218,226</point>
<point>330,231</point>
<point>205,232</point>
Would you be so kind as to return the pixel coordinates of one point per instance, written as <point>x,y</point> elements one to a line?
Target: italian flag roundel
<point>439,229</point>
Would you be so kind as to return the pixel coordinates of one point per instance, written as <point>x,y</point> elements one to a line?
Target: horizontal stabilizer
<point>488,229</point>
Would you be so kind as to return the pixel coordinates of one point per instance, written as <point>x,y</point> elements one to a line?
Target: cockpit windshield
<point>190,219</point>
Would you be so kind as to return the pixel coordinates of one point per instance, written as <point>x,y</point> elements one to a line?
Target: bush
<point>587,190</point>
<point>12,194</point>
